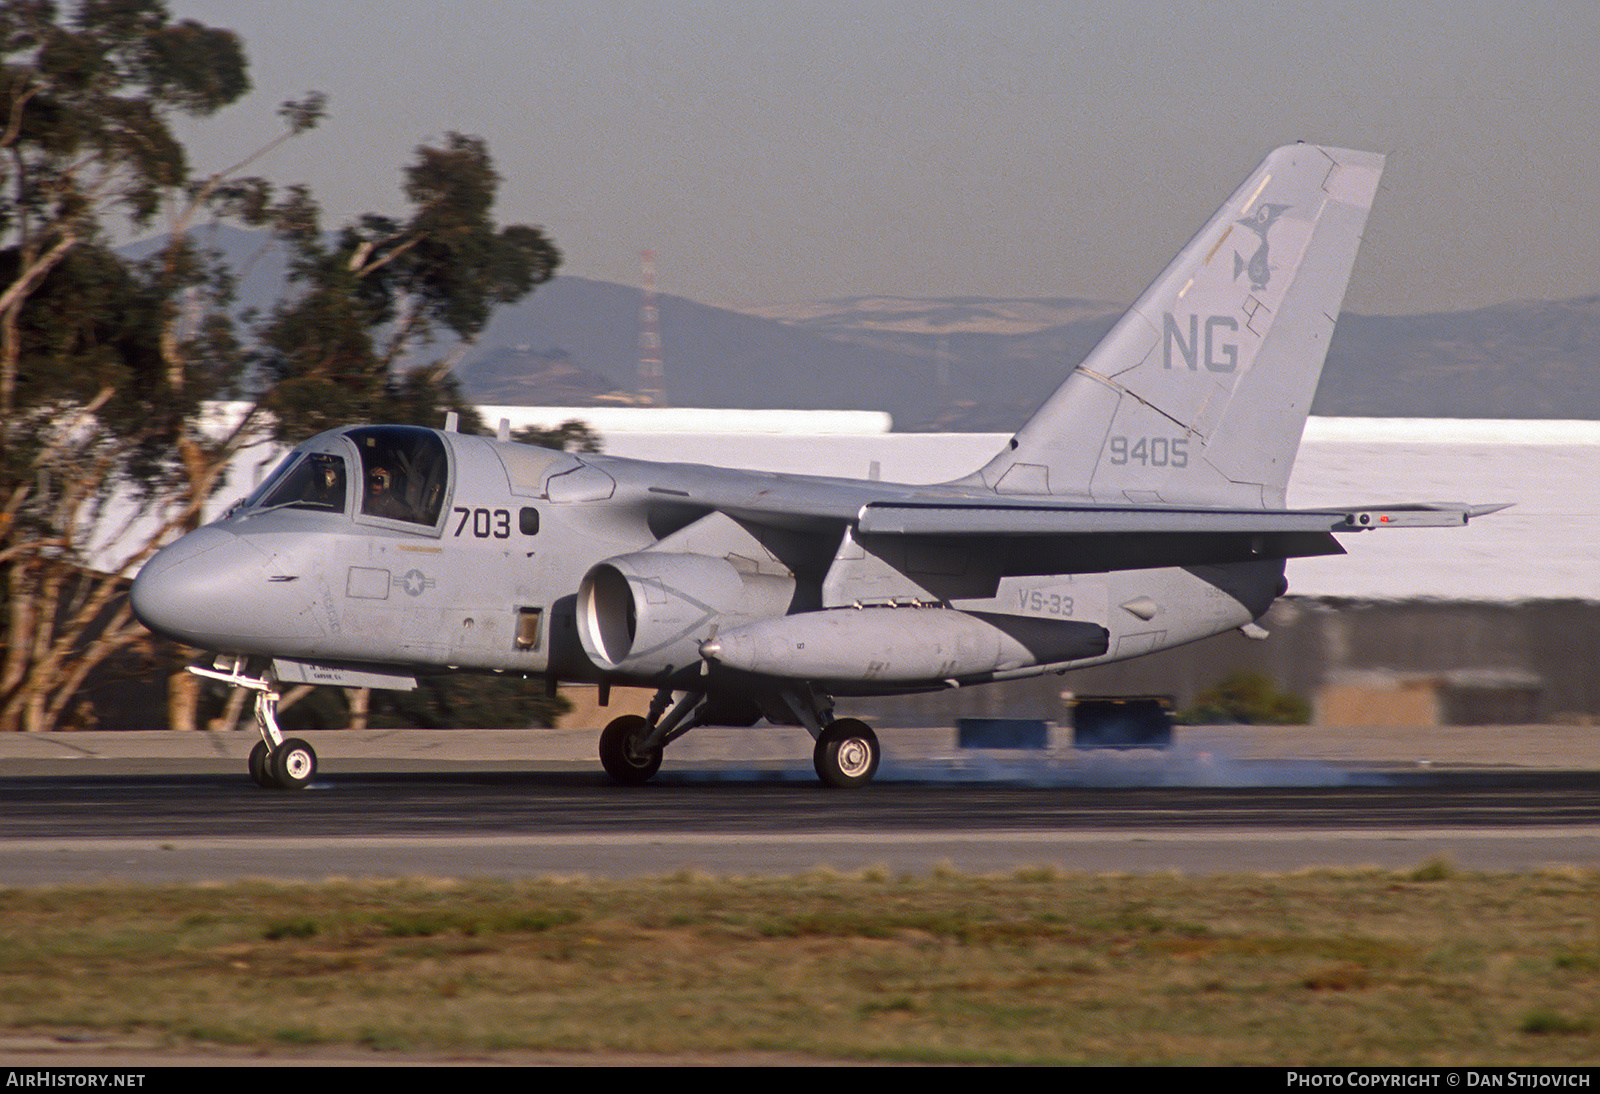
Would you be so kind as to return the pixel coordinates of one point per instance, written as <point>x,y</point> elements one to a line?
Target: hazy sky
<point>795,151</point>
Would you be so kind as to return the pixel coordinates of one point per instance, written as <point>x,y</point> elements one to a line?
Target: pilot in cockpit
<point>383,497</point>
<point>327,488</point>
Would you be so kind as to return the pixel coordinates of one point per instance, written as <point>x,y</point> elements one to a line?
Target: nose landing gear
<point>276,762</point>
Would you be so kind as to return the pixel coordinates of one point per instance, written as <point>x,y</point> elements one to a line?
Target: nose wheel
<point>260,769</point>
<point>290,766</point>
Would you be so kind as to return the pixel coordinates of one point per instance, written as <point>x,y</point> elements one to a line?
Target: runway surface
<point>1272,817</point>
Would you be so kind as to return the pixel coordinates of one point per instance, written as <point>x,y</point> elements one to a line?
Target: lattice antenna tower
<point>650,371</point>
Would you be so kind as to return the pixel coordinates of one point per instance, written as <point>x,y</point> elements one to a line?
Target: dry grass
<point>1435,966</point>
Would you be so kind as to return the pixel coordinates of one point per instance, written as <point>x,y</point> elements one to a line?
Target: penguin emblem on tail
<point>1259,222</point>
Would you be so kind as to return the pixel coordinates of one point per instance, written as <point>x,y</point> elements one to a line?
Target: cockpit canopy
<point>403,476</point>
<point>405,473</point>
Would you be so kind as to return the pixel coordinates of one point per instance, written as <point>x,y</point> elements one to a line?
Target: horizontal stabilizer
<point>1023,520</point>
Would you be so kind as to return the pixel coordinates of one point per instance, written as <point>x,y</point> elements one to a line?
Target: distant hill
<point>713,357</point>
<point>1532,359</point>
<point>973,363</point>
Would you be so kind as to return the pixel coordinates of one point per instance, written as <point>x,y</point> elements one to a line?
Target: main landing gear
<point>626,752</point>
<point>631,748</point>
<point>276,762</point>
<point>846,754</point>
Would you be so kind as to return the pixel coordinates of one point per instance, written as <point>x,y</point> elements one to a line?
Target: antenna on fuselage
<point>451,421</point>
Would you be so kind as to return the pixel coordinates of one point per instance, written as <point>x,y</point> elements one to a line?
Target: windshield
<point>316,482</point>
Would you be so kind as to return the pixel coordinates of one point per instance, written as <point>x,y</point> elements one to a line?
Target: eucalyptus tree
<point>107,362</point>
<point>87,101</point>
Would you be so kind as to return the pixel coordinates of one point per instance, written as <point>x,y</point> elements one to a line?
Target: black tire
<point>261,766</point>
<point>293,764</point>
<point>847,754</point>
<point>622,753</point>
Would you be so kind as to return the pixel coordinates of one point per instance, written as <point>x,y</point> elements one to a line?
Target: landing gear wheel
<point>293,764</point>
<point>623,754</point>
<point>261,766</point>
<point>847,753</point>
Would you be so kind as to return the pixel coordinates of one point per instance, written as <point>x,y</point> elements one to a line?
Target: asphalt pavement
<point>1540,747</point>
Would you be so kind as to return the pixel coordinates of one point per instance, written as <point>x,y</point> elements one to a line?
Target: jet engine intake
<point>646,614</point>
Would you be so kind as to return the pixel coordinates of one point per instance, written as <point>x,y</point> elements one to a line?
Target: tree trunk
<point>183,700</point>
<point>229,719</point>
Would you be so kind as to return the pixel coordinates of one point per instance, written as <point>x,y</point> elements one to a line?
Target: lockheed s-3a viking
<point>1141,507</point>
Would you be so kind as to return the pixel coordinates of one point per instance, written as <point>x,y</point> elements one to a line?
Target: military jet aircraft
<point>1141,507</point>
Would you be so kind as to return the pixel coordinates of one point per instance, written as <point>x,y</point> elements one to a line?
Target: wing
<point>878,508</point>
<point>1038,532</point>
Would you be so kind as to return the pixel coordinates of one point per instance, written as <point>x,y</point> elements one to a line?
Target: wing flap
<point>937,518</point>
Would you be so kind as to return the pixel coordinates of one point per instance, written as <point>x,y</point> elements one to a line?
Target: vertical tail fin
<point>1199,394</point>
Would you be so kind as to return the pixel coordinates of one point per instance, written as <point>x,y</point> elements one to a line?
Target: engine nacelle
<point>901,645</point>
<point>646,614</point>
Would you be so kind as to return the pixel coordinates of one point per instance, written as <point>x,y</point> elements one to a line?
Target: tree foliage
<point>87,103</point>
<point>569,436</point>
<point>380,290</point>
<point>1247,698</point>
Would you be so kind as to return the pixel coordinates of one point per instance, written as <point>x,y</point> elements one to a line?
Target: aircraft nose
<point>192,589</point>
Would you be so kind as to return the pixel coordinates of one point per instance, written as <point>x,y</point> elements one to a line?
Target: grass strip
<point>1433,966</point>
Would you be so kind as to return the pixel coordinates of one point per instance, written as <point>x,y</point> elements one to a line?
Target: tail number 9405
<point>1151,451</point>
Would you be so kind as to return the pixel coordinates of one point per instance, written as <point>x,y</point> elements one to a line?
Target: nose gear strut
<point>277,762</point>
